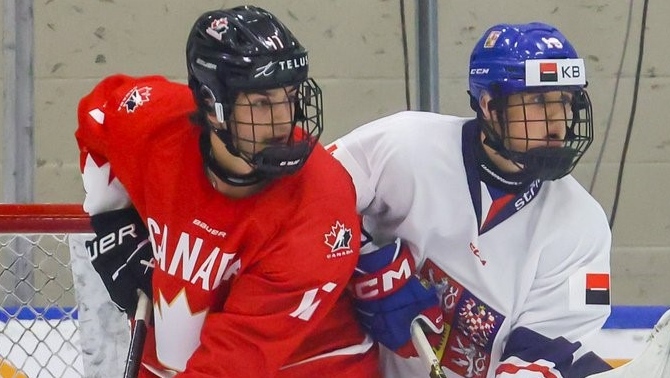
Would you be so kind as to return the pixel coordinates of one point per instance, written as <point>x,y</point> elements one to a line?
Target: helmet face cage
<point>551,144</point>
<point>277,136</point>
<point>534,142</point>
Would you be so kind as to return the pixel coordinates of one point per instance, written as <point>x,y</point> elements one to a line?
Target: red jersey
<point>249,287</point>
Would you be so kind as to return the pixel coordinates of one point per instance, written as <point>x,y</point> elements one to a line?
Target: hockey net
<point>38,309</point>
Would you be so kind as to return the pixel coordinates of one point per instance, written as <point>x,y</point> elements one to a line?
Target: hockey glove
<point>122,255</point>
<point>389,297</point>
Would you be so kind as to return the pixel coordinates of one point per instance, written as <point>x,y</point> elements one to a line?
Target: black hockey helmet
<point>247,49</point>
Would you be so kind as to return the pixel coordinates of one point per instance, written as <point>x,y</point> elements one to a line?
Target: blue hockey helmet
<point>498,60</point>
<point>532,57</point>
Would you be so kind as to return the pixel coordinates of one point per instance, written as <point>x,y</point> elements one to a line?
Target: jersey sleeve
<point>273,306</point>
<point>568,303</point>
<point>117,122</point>
<point>104,191</point>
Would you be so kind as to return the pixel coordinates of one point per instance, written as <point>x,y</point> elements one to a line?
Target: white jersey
<point>524,279</point>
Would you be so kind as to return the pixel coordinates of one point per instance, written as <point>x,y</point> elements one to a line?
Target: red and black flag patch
<point>597,288</point>
<point>548,72</point>
<point>589,289</point>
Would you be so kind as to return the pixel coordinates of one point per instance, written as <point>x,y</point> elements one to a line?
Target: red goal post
<point>43,218</point>
<point>44,277</point>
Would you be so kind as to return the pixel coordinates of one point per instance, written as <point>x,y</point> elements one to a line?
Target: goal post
<point>56,318</point>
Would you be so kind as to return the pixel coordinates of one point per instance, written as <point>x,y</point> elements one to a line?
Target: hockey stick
<point>425,351</point>
<point>142,315</point>
<point>653,362</point>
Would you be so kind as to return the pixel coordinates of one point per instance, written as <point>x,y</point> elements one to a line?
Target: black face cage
<point>279,143</point>
<point>543,158</point>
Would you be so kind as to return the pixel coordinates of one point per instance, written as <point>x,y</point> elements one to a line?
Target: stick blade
<point>653,362</point>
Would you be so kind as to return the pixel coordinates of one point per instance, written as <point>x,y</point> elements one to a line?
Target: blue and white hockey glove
<point>389,297</point>
<point>122,255</point>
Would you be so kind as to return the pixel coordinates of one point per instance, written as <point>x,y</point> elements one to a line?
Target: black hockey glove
<point>122,255</point>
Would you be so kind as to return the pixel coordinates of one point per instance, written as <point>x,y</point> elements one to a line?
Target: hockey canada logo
<point>218,28</point>
<point>338,239</point>
<point>135,98</point>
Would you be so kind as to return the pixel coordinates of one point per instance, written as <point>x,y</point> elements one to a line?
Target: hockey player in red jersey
<point>252,225</point>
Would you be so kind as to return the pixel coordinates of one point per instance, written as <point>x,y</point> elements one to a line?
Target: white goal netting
<point>55,317</point>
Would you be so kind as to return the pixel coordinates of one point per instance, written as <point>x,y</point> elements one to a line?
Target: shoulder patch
<point>135,98</point>
<point>339,240</point>
<point>589,288</point>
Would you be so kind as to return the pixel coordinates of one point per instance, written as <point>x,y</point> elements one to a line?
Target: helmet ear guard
<point>210,104</point>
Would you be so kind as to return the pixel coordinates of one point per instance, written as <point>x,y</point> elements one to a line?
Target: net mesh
<point>38,311</point>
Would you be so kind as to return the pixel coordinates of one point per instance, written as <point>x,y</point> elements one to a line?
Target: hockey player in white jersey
<point>491,221</point>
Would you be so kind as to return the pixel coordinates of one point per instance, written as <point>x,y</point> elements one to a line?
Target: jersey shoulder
<point>318,196</point>
<point>324,172</point>
<point>574,224</point>
<point>401,149</point>
<point>411,136</point>
<point>404,125</point>
<point>130,105</point>
<point>570,200</point>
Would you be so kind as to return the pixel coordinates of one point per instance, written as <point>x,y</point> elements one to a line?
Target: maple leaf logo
<point>220,24</point>
<point>97,166</point>
<point>338,238</point>
<point>174,345</point>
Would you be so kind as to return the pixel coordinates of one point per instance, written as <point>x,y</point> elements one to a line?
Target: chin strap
<point>224,175</point>
<point>492,175</point>
<point>549,163</point>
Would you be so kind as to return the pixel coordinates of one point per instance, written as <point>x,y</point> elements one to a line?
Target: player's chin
<point>547,143</point>
<point>537,143</point>
<point>277,140</point>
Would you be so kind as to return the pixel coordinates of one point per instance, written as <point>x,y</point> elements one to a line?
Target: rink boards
<point>623,337</point>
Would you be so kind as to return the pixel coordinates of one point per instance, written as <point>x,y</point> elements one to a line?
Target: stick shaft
<point>142,314</point>
<point>425,352</point>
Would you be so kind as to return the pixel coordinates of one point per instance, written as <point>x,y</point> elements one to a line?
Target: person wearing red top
<point>218,201</point>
